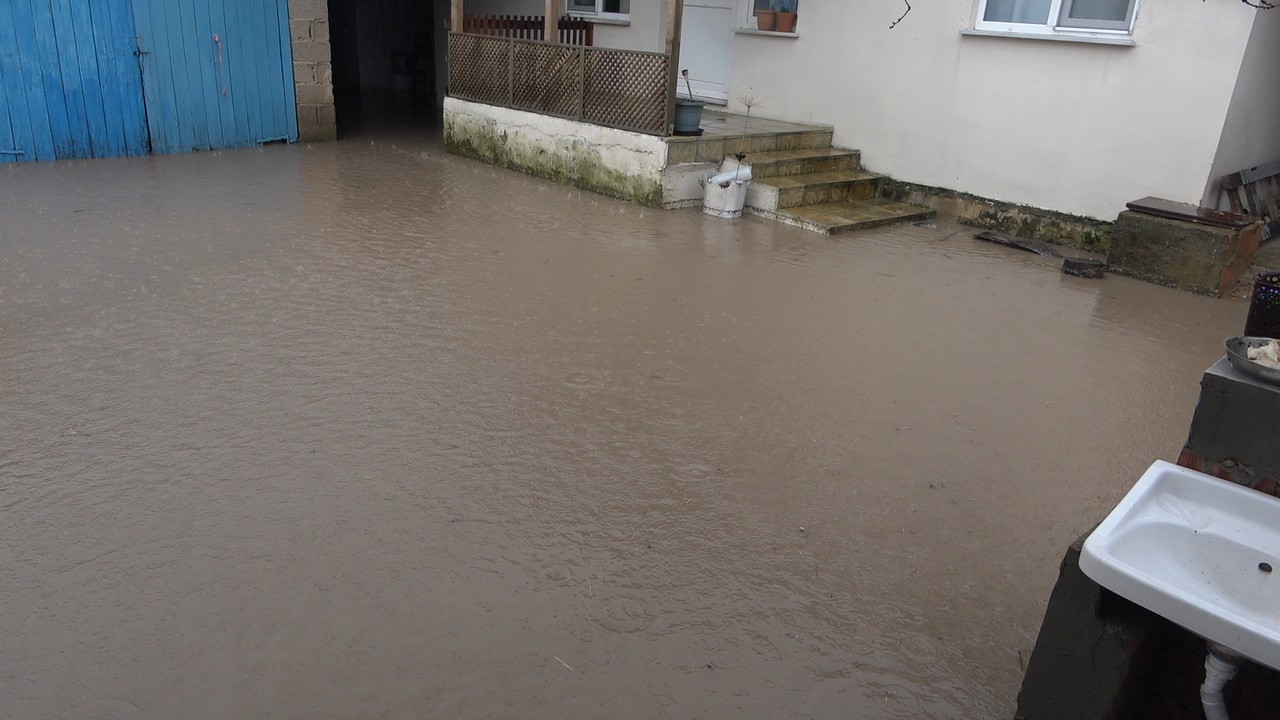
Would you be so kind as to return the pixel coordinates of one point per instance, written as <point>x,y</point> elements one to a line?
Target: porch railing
<point>573,30</point>
<point>617,88</point>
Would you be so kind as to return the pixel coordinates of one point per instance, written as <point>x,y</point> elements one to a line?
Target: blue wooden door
<point>216,73</point>
<point>70,85</point>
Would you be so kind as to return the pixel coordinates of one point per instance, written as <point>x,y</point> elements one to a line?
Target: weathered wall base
<point>1021,220</point>
<point>612,162</point>
<point>1182,254</point>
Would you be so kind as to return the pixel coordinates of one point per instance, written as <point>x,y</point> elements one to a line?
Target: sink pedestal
<point>1101,657</point>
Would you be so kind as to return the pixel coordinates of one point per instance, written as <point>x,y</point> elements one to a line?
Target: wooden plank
<point>456,16</point>
<point>28,50</point>
<point>250,30</point>
<point>16,141</point>
<point>75,141</point>
<point>219,90</point>
<point>115,37</point>
<point>289,90</point>
<point>98,15</point>
<point>675,21</point>
<point>207,51</point>
<point>1261,172</point>
<point>46,55</point>
<point>272,74</point>
<point>551,21</point>
<point>102,142</point>
<point>189,51</point>
<point>157,76</point>
<point>240,67</point>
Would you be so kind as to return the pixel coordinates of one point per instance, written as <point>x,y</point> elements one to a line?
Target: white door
<point>706,48</point>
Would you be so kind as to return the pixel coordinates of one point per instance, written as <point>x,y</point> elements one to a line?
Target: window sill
<point>1121,40</point>
<point>767,33</point>
<point>606,21</point>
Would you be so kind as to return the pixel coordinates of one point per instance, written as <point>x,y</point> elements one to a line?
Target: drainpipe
<point>1220,665</point>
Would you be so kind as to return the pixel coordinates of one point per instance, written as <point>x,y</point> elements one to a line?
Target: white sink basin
<point>1199,551</point>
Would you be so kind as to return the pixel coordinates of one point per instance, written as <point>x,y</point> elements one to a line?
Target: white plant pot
<point>726,201</point>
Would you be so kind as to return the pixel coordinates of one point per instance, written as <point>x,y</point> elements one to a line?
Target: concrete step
<point>803,161</point>
<point>784,191</point>
<point>713,148</point>
<point>831,218</point>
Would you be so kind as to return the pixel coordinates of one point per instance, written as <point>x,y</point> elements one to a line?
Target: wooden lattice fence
<point>617,88</point>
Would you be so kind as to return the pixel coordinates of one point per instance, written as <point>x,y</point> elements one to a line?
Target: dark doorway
<point>384,65</point>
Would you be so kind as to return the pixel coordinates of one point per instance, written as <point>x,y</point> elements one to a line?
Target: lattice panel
<point>547,78</point>
<point>478,68</point>
<point>626,89</point>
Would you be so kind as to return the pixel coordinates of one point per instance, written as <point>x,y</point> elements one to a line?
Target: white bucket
<point>726,191</point>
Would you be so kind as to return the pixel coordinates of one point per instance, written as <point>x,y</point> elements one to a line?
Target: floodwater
<point>363,430</point>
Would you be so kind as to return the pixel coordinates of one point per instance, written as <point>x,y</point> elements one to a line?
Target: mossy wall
<point>1019,220</point>
<point>611,162</point>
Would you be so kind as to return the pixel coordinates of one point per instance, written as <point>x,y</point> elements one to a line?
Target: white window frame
<point>598,13</point>
<point>1057,24</point>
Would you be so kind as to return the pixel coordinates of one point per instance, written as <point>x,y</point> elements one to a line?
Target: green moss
<point>1021,220</point>
<point>583,168</point>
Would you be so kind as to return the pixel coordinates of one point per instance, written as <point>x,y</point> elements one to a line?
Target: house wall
<point>312,69</point>
<point>1072,127</point>
<point>1249,136</point>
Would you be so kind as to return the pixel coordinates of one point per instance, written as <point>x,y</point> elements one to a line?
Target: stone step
<point>831,218</point>
<point>784,191</point>
<point>803,161</point>
<point>713,148</point>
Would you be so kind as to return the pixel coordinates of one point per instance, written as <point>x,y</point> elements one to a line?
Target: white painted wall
<point>1251,135</point>
<point>530,138</point>
<point>1078,128</point>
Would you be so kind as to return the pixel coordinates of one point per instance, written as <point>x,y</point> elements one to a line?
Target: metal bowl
<point>1238,354</point>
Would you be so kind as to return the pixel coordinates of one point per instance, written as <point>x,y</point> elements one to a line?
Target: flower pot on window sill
<point>786,22</point>
<point>766,20</point>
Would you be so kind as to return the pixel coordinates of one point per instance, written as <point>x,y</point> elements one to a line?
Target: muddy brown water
<point>363,430</point>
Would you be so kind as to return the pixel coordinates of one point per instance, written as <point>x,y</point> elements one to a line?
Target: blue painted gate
<point>105,78</point>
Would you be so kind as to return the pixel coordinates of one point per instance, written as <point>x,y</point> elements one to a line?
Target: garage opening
<point>385,64</point>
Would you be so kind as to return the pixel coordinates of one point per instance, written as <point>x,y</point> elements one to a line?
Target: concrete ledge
<point>612,162</point>
<point>1021,220</point>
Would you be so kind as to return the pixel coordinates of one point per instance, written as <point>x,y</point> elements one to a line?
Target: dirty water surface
<point>363,430</point>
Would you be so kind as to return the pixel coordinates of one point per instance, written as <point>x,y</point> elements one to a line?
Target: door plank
<point>38,107</point>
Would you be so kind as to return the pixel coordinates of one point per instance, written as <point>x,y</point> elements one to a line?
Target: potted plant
<point>786,9</point>
<point>688,118</point>
<point>767,19</point>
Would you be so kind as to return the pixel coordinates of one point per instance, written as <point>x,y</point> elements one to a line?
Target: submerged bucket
<point>1264,306</point>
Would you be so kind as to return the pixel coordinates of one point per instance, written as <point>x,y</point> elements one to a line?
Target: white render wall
<point>1252,132</point>
<point>1073,127</point>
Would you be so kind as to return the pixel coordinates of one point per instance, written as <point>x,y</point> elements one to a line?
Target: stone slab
<point>1186,255</point>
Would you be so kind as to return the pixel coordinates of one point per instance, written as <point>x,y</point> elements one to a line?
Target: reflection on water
<point>366,430</point>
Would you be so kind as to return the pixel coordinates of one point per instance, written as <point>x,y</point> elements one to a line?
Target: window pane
<point>1018,11</point>
<point>617,6</point>
<point>1112,10</point>
<point>582,5</point>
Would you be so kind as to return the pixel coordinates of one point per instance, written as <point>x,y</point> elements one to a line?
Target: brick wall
<point>312,69</point>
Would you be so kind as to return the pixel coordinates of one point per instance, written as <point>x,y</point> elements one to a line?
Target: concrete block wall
<point>313,69</point>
